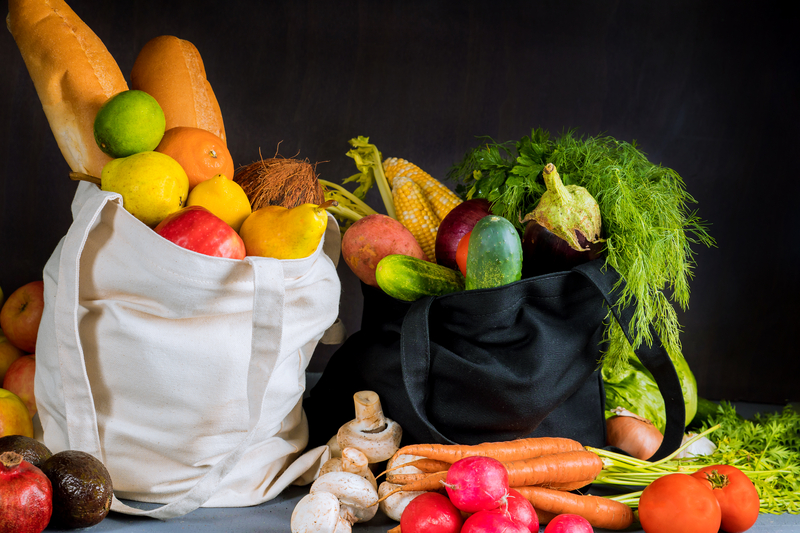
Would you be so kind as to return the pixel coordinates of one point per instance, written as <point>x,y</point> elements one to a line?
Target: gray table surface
<point>274,516</point>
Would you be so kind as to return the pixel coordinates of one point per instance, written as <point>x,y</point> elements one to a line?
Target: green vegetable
<point>766,448</point>
<point>648,228</point>
<point>349,208</point>
<point>494,257</point>
<point>634,388</point>
<point>369,162</point>
<point>409,278</point>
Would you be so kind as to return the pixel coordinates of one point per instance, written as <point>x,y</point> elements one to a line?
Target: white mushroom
<point>353,461</point>
<point>371,432</point>
<point>394,505</point>
<point>319,513</point>
<point>333,444</point>
<point>357,497</point>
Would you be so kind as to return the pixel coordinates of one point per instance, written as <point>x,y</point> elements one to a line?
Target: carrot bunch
<point>544,470</point>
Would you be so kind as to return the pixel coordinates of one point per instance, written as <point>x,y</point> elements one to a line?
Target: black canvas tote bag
<point>490,364</point>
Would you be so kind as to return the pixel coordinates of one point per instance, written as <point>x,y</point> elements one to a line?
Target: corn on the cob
<point>416,214</point>
<point>441,199</point>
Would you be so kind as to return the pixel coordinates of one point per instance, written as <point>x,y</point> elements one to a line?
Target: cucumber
<point>409,278</point>
<point>494,257</point>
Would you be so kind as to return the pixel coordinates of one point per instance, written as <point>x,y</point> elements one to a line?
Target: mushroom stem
<point>369,413</point>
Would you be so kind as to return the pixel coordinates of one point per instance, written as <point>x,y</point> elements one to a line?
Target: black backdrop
<point>710,89</point>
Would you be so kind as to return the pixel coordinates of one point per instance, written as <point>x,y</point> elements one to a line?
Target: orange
<point>201,153</point>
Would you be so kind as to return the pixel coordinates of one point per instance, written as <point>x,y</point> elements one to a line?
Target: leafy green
<point>766,449</point>
<point>767,442</point>
<point>635,389</point>
<point>648,227</point>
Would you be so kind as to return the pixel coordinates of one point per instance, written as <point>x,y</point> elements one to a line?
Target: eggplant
<point>563,231</point>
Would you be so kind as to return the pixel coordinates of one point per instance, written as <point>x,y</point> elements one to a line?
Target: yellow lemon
<point>223,197</point>
<point>14,416</point>
<point>128,123</point>
<point>152,185</point>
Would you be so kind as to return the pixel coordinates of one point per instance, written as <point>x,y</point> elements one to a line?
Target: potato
<point>372,238</point>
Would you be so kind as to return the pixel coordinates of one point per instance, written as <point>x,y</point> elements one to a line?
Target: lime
<point>152,185</point>
<point>128,123</point>
<point>223,197</point>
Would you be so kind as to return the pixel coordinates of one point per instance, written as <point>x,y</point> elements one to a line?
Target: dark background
<point>710,89</point>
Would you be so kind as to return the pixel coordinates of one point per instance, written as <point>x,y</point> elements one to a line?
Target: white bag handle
<point>79,406</point>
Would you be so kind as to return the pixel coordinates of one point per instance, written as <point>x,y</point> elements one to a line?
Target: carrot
<point>424,464</point>
<point>567,485</point>
<point>543,516</point>
<point>600,512</point>
<point>428,483</point>
<point>405,479</point>
<point>395,529</point>
<point>555,468</point>
<point>511,450</point>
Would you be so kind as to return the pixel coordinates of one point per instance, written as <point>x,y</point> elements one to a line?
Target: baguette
<point>171,71</point>
<point>73,73</point>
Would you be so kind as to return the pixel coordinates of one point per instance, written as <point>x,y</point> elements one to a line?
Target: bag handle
<point>415,354</point>
<point>80,412</point>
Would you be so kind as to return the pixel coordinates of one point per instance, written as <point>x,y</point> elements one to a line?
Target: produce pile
<point>517,209</point>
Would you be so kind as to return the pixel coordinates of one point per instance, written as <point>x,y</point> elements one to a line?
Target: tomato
<point>736,494</point>
<point>461,253</point>
<point>679,502</point>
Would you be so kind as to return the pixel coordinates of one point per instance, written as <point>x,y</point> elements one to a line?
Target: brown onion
<point>633,434</point>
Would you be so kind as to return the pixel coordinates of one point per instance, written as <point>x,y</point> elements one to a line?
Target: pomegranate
<point>26,496</point>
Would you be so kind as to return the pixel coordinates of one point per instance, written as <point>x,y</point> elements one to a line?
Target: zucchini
<point>494,257</point>
<point>409,278</point>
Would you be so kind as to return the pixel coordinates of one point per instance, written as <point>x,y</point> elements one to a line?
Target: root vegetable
<point>493,521</point>
<point>431,512</point>
<point>568,523</point>
<point>522,511</point>
<point>477,483</point>
<point>600,512</point>
<point>633,434</point>
<point>502,451</point>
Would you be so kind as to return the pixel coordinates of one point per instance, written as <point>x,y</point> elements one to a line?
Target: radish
<point>522,511</point>
<point>491,521</point>
<point>430,512</point>
<point>568,523</point>
<point>477,483</point>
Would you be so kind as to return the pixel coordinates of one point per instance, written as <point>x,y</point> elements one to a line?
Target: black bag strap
<point>415,354</point>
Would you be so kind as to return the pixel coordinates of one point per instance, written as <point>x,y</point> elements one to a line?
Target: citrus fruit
<point>128,123</point>
<point>223,197</point>
<point>14,416</point>
<point>152,185</point>
<point>202,154</point>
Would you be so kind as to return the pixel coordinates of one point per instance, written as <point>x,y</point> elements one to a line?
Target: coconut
<point>286,182</point>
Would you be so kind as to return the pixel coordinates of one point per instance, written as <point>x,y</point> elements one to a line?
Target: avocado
<point>30,449</point>
<point>82,489</point>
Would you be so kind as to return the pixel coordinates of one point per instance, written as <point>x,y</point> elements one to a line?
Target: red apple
<point>19,380</point>
<point>196,228</point>
<point>21,314</point>
<point>8,354</point>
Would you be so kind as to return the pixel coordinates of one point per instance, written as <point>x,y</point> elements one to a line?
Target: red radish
<point>26,495</point>
<point>522,511</point>
<point>461,253</point>
<point>455,225</point>
<point>491,521</point>
<point>430,512</point>
<point>569,523</point>
<point>477,483</point>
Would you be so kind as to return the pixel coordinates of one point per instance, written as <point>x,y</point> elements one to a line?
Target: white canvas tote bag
<point>183,373</point>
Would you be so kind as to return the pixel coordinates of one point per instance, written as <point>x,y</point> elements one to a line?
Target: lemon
<point>223,197</point>
<point>152,185</point>
<point>14,416</point>
<point>128,123</point>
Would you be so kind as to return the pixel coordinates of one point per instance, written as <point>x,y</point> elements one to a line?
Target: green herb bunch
<point>648,227</point>
<point>770,443</point>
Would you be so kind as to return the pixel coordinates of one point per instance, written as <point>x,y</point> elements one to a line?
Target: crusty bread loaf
<point>171,71</point>
<point>73,73</point>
